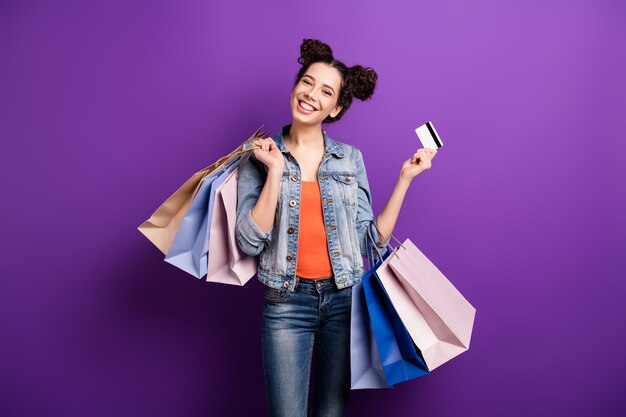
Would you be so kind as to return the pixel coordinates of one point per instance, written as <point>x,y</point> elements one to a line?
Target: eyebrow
<point>313,78</point>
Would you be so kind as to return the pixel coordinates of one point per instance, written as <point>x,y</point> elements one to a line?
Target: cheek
<point>330,105</point>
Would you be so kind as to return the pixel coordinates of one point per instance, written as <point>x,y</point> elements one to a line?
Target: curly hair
<point>356,81</point>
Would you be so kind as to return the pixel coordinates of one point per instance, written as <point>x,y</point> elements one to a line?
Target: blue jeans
<point>315,317</point>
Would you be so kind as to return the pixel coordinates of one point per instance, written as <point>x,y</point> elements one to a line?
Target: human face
<point>315,96</point>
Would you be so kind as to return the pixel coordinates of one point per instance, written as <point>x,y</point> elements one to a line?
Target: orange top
<point>313,259</point>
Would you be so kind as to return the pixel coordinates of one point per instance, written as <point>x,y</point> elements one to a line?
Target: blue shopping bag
<point>401,359</point>
<point>190,247</point>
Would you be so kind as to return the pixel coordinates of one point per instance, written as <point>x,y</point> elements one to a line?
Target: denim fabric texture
<point>313,318</point>
<point>347,212</point>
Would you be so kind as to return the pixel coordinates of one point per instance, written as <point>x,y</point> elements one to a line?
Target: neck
<point>304,135</point>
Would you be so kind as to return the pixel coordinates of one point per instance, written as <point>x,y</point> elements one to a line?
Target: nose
<point>310,95</point>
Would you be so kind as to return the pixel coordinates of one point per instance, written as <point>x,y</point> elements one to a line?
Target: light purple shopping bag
<point>365,367</point>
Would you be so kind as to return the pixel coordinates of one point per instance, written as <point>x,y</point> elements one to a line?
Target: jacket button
<point>286,284</point>
<point>332,227</point>
<point>323,177</point>
<point>290,157</point>
<point>289,257</point>
<point>294,178</point>
<point>290,230</point>
<point>292,203</point>
<point>335,254</point>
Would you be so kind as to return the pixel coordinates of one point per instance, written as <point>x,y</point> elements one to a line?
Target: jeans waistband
<point>318,283</point>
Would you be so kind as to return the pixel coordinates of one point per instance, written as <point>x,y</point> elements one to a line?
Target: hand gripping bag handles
<point>382,352</point>
<point>436,315</point>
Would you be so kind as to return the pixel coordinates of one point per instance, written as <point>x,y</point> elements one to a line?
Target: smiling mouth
<point>306,106</point>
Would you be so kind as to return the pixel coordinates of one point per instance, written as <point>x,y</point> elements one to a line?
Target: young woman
<point>304,206</point>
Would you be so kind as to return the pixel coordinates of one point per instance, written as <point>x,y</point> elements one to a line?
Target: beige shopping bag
<point>228,264</point>
<point>436,315</point>
<point>161,227</point>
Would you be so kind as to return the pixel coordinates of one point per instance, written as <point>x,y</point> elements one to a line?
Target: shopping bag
<point>162,225</point>
<point>227,263</point>
<point>401,359</point>
<point>436,315</point>
<point>366,370</point>
<point>190,247</point>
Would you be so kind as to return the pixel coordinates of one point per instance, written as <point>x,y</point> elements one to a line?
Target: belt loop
<point>296,280</point>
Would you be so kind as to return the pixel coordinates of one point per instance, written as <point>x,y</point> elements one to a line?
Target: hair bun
<point>362,82</point>
<point>312,49</point>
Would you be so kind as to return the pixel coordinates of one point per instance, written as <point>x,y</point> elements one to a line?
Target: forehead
<point>325,74</point>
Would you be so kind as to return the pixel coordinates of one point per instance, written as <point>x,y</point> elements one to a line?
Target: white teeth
<point>306,106</point>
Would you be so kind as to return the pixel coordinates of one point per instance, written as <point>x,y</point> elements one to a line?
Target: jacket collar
<point>330,146</point>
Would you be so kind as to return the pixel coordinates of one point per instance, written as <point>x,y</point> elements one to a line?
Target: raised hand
<point>418,163</point>
<point>269,154</point>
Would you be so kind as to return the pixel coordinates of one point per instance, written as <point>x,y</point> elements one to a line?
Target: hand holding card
<point>422,158</point>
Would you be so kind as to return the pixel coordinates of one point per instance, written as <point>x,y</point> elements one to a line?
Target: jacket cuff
<point>374,235</point>
<point>251,232</point>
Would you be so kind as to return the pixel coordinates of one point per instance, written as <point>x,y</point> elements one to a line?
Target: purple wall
<point>105,109</point>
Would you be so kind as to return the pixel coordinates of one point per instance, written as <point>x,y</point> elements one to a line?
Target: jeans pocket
<point>276,294</point>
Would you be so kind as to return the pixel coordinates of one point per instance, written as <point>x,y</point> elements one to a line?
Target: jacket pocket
<point>346,185</point>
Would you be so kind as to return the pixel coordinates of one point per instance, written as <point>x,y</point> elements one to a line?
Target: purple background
<point>105,109</point>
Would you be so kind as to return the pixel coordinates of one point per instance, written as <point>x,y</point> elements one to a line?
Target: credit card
<point>428,136</point>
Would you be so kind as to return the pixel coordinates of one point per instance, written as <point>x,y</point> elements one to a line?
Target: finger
<point>428,160</point>
<point>422,154</point>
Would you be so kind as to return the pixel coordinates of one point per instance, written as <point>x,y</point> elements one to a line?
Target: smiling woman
<point>304,206</point>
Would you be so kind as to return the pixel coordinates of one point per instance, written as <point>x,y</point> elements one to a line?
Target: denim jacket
<point>347,212</point>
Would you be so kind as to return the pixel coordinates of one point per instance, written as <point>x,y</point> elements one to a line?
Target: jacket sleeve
<point>250,180</point>
<point>365,221</point>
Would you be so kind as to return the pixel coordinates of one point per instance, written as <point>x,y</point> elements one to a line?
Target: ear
<point>335,111</point>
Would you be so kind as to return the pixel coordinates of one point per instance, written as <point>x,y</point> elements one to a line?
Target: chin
<point>305,120</point>
<point>302,119</point>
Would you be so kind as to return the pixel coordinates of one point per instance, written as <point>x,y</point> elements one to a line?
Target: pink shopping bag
<point>227,263</point>
<point>436,315</point>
